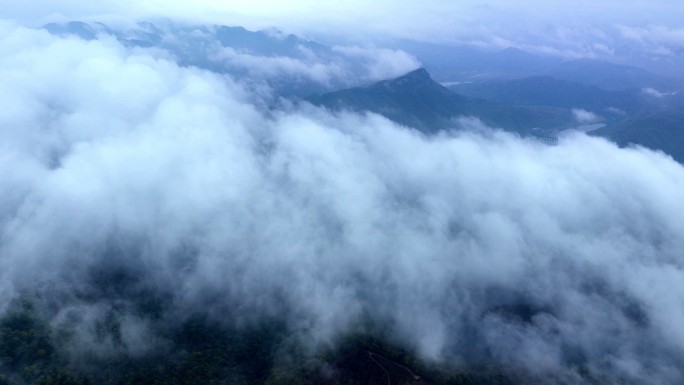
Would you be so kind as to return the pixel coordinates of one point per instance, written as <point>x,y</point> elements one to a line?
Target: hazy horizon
<point>647,34</point>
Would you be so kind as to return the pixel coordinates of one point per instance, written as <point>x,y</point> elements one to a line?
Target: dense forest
<point>204,352</point>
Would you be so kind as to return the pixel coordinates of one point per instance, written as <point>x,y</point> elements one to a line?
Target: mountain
<point>606,106</point>
<point>630,116</point>
<point>416,100</point>
<point>288,65</point>
<point>194,45</point>
<point>541,106</point>
<point>611,76</point>
<point>83,30</point>
<point>549,91</point>
<point>463,63</point>
<point>266,43</point>
<point>660,130</point>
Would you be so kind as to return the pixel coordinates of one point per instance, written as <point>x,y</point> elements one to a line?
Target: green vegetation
<point>203,354</point>
<point>200,351</point>
<point>27,352</point>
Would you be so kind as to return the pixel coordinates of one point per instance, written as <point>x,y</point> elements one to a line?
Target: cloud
<point>264,59</point>
<point>467,246</point>
<point>383,63</point>
<point>584,117</point>
<point>656,93</point>
<point>279,66</point>
<point>351,66</point>
<point>659,40</point>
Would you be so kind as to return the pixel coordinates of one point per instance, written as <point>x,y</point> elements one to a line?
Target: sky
<point>119,159</point>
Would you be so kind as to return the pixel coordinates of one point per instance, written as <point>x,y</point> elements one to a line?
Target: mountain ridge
<point>416,100</point>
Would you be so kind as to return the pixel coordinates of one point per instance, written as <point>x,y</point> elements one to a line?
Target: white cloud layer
<point>116,161</point>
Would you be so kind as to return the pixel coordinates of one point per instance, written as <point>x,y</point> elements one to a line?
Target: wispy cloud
<point>658,40</point>
<point>584,117</point>
<point>656,93</point>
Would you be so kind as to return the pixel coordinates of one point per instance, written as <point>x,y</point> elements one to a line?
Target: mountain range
<point>539,106</point>
<point>417,101</point>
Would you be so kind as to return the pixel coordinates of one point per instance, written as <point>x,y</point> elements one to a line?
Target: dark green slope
<point>415,100</point>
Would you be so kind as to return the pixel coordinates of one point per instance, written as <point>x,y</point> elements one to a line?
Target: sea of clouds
<point>469,246</point>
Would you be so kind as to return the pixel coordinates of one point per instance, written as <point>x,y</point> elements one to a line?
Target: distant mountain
<point>548,92</point>
<point>290,65</point>
<point>632,116</point>
<point>461,63</point>
<point>611,76</point>
<point>77,28</point>
<point>545,90</point>
<point>196,45</point>
<point>464,63</point>
<point>661,130</point>
<point>264,43</point>
<point>416,100</point>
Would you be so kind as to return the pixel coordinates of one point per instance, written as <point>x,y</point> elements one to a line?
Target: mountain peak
<point>418,74</point>
<point>417,78</point>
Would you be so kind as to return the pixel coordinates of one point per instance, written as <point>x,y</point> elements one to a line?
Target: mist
<point>120,163</point>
